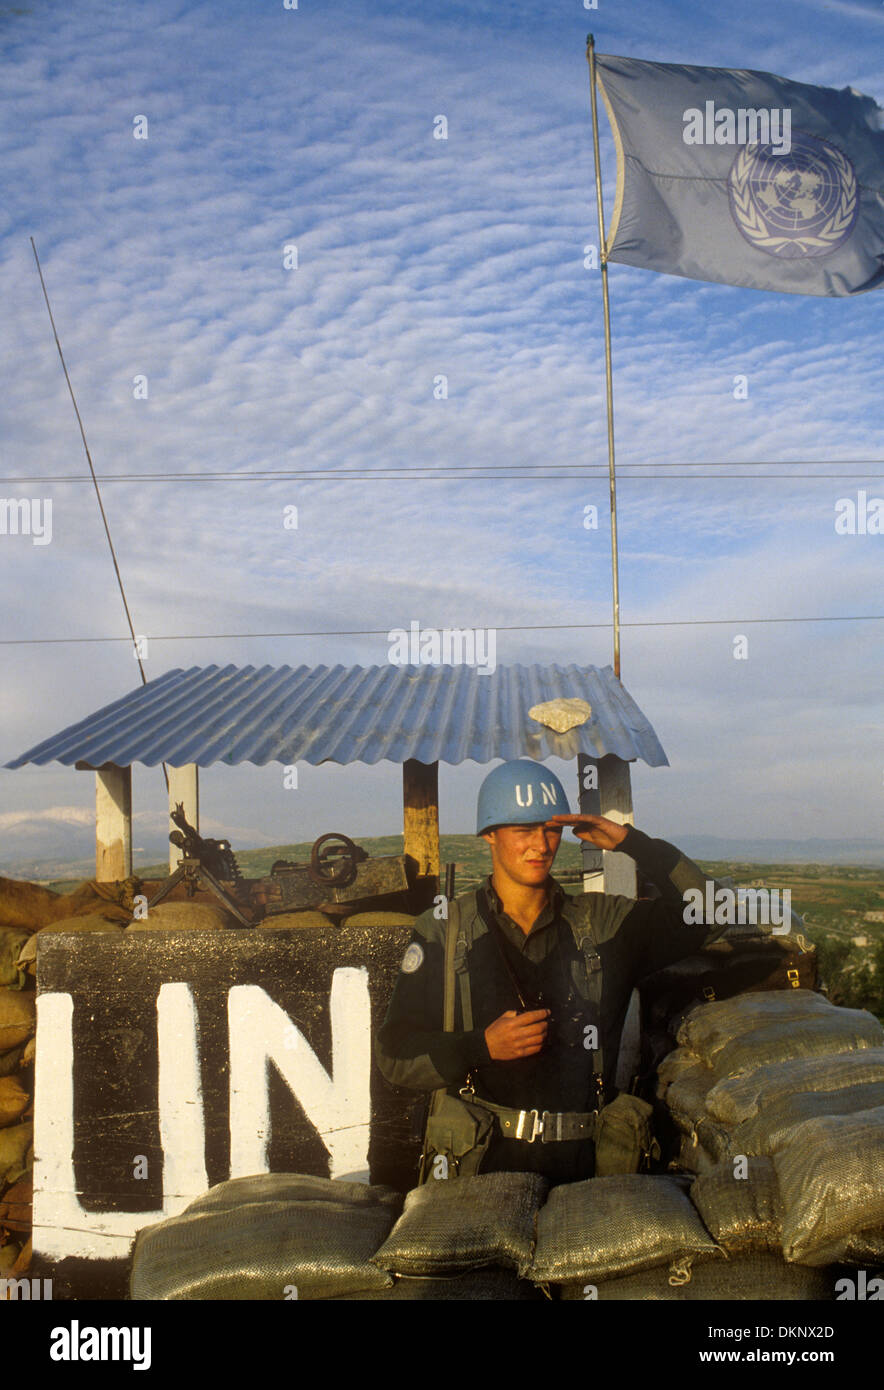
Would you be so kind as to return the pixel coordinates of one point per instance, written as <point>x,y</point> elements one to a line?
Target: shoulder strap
<point>591,963</point>
<point>456,973</point>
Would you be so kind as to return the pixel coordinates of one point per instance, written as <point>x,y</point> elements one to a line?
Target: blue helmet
<point>521,792</point>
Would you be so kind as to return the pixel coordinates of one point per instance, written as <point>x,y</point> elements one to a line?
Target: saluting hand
<point>517,1035</point>
<point>603,833</point>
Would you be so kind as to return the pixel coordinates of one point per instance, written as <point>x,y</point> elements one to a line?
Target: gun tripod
<point>194,875</point>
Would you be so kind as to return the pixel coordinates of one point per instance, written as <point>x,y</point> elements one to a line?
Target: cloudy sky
<point>196,350</point>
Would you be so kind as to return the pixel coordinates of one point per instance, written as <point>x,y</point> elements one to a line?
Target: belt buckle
<point>536,1121</point>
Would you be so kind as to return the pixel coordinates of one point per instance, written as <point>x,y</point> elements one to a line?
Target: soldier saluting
<point>510,1009</point>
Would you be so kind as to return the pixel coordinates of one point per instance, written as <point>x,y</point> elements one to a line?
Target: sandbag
<point>831,1181</point>
<point>30,905</point>
<point>14,1100</point>
<point>740,1213</point>
<point>380,919</point>
<point>18,1017</point>
<point>487,1219</point>
<point>16,1205</point>
<point>674,1065</point>
<point>686,1096</point>
<point>854,1030</point>
<point>694,1157</point>
<point>745,1278</point>
<point>12,939</point>
<point>767,1132</point>
<point>479,1285</point>
<point>710,1027</point>
<point>686,1103</point>
<point>12,1060</point>
<point>606,1226</point>
<point>743,1097</point>
<point>185,916</point>
<point>294,1187</point>
<point>297,919</point>
<point>88,922</point>
<point>263,1250</point>
<point>15,1141</point>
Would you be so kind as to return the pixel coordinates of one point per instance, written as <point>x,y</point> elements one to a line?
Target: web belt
<point>549,1127</point>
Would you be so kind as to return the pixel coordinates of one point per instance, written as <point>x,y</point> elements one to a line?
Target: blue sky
<point>313,127</point>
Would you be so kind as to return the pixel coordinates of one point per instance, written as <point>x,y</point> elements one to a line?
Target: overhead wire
<point>503,627</point>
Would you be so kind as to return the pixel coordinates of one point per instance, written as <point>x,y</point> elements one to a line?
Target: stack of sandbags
<point>31,906</point>
<point>760,1108</point>
<point>818,1202</point>
<point>799,1055</point>
<point>741,1208</point>
<point>663,1238</point>
<point>272,1236</point>
<point>17,1024</point>
<point>468,1238</point>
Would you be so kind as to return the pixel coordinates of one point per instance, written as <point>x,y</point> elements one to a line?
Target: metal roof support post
<point>184,787</point>
<point>615,802</point>
<point>113,823</point>
<point>420,811</point>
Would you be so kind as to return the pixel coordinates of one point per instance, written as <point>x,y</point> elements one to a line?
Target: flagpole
<point>609,375</point>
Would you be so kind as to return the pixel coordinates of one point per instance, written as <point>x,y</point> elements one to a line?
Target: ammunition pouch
<point>624,1139</point>
<point>458,1132</point>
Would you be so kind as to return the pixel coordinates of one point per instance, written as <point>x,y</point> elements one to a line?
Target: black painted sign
<point>168,1062</point>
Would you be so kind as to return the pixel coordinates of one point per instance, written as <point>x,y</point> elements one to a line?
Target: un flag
<point>745,178</point>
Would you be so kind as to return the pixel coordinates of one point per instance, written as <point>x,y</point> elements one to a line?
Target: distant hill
<point>471,856</point>
<point>869,852</point>
<point>59,843</point>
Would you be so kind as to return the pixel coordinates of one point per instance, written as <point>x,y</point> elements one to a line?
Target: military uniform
<point>551,967</point>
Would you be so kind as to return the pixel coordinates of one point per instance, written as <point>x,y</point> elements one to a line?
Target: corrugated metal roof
<point>346,714</point>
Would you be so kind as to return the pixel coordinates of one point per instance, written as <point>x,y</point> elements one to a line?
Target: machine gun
<point>216,856</point>
<point>203,864</point>
<point>339,875</point>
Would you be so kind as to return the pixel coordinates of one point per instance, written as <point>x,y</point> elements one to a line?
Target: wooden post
<point>113,823</point>
<point>184,787</point>
<point>420,806</point>
<point>615,798</point>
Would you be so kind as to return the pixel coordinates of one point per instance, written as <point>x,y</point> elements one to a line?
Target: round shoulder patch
<point>413,958</point>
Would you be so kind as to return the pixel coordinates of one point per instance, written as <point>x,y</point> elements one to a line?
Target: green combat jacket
<point>627,938</point>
